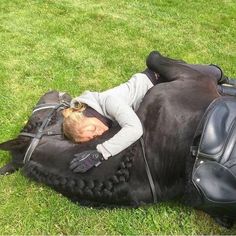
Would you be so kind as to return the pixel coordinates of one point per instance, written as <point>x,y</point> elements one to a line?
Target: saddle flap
<point>216,182</point>
<point>218,126</point>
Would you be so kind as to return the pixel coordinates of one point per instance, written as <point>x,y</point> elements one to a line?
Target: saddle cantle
<point>214,146</point>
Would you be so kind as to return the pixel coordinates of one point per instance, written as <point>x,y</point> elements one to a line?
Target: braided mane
<point>84,191</point>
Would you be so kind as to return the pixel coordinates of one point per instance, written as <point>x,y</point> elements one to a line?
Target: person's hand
<point>86,160</point>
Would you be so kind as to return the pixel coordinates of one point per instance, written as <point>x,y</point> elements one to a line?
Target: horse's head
<point>50,160</point>
<point>18,146</point>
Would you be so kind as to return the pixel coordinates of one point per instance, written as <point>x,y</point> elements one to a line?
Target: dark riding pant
<point>170,69</point>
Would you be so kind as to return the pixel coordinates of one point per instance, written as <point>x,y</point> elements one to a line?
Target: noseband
<point>37,137</point>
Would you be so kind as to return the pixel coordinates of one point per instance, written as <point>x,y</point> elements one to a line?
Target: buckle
<point>194,150</point>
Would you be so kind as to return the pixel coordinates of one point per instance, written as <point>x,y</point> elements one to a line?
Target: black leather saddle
<point>214,147</point>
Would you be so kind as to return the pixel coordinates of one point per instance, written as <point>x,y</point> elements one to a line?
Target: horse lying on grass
<point>170,113</point>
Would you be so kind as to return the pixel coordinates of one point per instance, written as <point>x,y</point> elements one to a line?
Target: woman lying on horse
<point>92,113</point>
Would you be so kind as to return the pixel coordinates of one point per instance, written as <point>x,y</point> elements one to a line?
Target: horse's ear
<point>13,144</point>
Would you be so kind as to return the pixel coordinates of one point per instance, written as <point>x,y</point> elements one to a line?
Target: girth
<point>41,131</point>
<point>155,190</point>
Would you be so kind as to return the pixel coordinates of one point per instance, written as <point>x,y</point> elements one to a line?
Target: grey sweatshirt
<point>119,104</point>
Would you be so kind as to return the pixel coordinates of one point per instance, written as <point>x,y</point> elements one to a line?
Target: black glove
<point>86,160</point>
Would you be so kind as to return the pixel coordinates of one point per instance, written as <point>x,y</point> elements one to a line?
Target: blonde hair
<point>73,118</point>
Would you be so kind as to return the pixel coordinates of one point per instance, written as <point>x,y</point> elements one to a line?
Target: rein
<point>37,137</point>
<point>156,191</point>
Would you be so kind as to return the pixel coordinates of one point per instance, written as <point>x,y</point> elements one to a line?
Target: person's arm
<point>131,127</point>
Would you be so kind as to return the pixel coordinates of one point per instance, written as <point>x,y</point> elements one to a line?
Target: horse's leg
<point>170,69</point>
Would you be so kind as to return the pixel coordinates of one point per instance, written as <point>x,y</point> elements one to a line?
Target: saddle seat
<point>214,172</point>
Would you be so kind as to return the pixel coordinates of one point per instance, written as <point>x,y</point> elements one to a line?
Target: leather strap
<point>50,105</point>
<point>156,191</point>
<point>47,133</point>
<point>44,106</point>
<point>34,143</point>
<point>227,90</point>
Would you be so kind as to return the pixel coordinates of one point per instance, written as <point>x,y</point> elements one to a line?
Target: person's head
<point>80,128</point>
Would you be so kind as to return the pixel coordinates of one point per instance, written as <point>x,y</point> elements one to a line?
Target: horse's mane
<point>81,189</point>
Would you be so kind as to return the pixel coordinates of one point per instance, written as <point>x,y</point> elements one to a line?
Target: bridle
<point>155,189</point>
<point>41,131</point>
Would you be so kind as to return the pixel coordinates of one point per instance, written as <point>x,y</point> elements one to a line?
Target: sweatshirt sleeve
<point>131,127</point>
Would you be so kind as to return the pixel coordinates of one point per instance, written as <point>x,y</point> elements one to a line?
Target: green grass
<point>74,45</point>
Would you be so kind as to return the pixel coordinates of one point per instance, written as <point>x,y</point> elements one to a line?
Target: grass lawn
<point>73,45</point>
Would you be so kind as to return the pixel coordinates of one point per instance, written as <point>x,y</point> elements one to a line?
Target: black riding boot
<point>154,77</point>
<point>170,69</point>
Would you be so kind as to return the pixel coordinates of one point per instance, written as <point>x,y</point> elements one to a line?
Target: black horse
<point>170,113</point>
